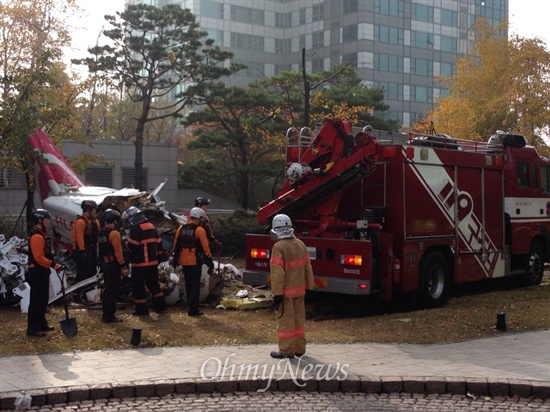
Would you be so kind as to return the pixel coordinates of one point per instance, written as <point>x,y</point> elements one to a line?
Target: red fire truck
<point>414,216</point>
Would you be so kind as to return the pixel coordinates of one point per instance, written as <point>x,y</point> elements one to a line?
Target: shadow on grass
<point>320,305</point>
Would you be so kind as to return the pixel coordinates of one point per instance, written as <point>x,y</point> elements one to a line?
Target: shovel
<point>220,245</point>
<point>68,325</point>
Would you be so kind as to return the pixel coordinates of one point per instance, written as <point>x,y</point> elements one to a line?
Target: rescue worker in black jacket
<point>145,249</point>
<point>38,276</point>
<point>84,237</point>
<point>113,264</point>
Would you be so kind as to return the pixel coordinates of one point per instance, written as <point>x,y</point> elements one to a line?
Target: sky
<point>528,18</point>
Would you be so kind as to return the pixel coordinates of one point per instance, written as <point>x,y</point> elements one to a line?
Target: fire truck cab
<point>393,214</point>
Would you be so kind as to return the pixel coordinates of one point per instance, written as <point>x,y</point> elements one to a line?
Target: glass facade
<point>402,46</point>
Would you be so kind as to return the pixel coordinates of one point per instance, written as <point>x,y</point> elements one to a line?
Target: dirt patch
<point>470,313</point>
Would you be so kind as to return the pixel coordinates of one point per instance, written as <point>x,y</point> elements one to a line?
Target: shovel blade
<point>69,327</point>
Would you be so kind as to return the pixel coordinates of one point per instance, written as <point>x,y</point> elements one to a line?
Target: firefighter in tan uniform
<point>291,275</point>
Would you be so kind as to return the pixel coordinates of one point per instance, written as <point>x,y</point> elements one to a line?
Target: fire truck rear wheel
<point>535,266</point>
<point>434,280</point>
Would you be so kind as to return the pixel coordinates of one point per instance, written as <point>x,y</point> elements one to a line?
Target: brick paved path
<point>306,401</point>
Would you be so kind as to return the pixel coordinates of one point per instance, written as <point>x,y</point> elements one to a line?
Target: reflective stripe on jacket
<point>290,266</point>
<point>144,244</point>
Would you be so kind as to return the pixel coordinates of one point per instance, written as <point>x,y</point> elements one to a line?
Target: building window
<point>390,7</point>
<point>422,40</point>
<point>422,67</point>
<point>302,41</point>
<point>422,13</point>
<point>283,20</point>
<point>494,11</point>
<point>448,44</point>
<point>128,178</point>
<point>12,179</point>
<point>392,115</point>
<point>349,33</point>
<point>100,176</point>
<point>247,42</point>
<point>211,9</point>
<point>447,69</point>
<point>318,39</point>
<point>351,59</point>
<point>449,18</point>
<point>421,94</point>
<point>302,16</point>
<point>416,117</point>
<point>317,65</point>
<point>350,6</point>
<point>282,46</point>
<point>253,69</point>
<point>319,12</point>
<point>385,34</point>
<point>247,15</point>
<point>216,35</point>
<point>392,91</point>
<point>388,63</point>
<point>283,68</point>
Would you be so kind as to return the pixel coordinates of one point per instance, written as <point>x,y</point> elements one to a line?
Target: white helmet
<point>197,213</point>
<point>297,171</point>
<point>281,227</point>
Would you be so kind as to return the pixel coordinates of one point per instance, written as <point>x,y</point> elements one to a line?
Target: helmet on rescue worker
<point>281,227</point>
<point>133,216</point>
<point>88,205</point>
<point>39,214</point>
<point>201,201</point>
<point>197,213</point>
<point>111,216</point>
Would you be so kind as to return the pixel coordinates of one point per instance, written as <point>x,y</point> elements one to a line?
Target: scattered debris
<point>243,293</point>
<point>13,266</point>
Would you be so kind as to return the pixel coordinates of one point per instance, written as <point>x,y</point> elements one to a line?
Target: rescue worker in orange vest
<point>40,261</point>
<point>113,264</point>
<point>84,237</point>
<point>291,275</point>
<point>203,203</point>
<point>191,250</point>
<point>145,250</point>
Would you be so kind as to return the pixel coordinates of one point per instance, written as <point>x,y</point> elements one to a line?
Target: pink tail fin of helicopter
<point>54,175</point>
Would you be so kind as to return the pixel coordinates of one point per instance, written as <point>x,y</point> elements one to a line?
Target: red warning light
<point>353,260</point>
<point>260,253</point>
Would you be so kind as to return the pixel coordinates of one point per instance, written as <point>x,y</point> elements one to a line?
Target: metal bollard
<point>136,337</point>
<point>501,321</point>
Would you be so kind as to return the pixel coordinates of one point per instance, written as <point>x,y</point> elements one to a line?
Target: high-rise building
<point>400,45</point>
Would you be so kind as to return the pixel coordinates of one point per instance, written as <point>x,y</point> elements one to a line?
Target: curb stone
<point>474,387</point>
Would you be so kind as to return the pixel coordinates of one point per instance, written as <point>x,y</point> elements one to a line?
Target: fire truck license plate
<point>312,252</point>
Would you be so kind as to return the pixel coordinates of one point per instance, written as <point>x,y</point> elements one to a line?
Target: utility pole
<point>306,89</point>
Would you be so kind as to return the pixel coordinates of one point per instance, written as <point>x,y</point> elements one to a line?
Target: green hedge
<point>231,231</point>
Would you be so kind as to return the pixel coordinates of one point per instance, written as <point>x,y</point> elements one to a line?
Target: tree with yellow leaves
<point>501,84</point>
<point>34,90</point>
